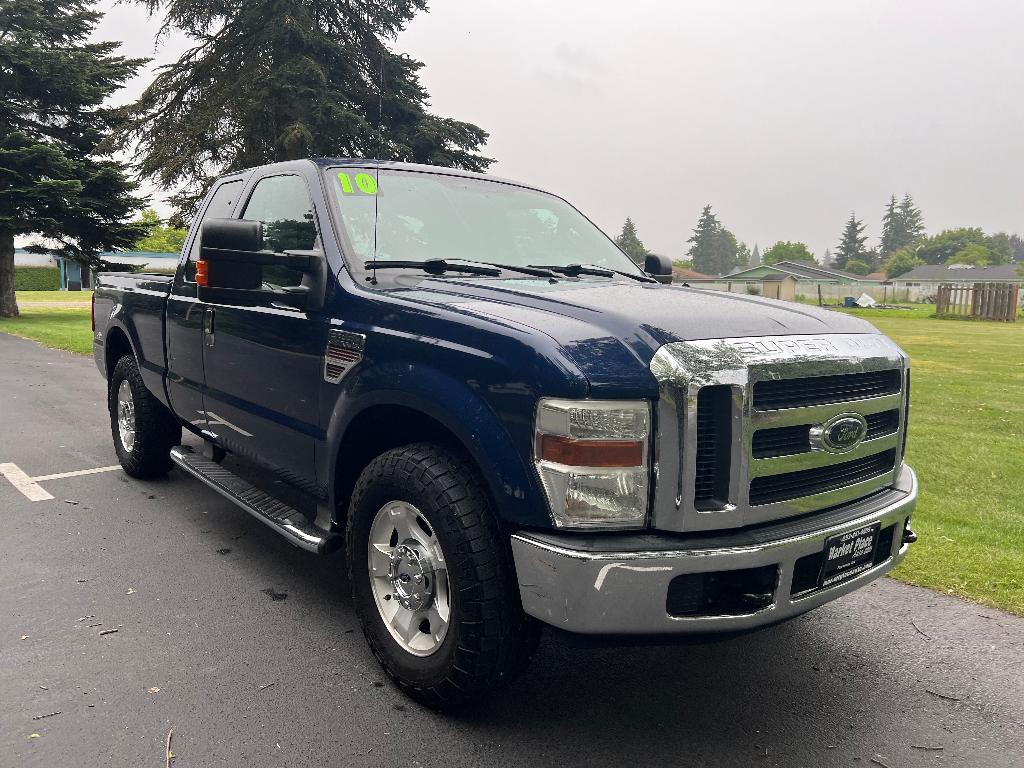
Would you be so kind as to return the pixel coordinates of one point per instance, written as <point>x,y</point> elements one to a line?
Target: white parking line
<point>24,483</point>
<point>77,473</point>
<point>30,487</point>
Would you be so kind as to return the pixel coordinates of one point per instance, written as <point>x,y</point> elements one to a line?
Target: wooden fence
<point>982,301</point>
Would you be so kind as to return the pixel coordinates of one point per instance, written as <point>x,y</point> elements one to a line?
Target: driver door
<point>263,364</point>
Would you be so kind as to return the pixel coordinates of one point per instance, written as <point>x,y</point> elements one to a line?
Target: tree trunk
<point>8,302</point>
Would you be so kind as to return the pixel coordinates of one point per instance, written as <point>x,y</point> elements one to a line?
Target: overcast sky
<point>785,115</point>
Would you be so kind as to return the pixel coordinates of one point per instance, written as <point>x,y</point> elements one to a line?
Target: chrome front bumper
<point>618,584</point>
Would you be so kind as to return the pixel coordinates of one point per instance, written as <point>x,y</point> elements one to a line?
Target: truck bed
<point>130,307</point>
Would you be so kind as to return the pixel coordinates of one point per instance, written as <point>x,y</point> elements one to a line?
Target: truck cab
<point>503,421</point>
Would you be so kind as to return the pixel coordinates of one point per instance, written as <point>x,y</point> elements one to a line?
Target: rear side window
<point>282,204</point>
<point>221,205</point>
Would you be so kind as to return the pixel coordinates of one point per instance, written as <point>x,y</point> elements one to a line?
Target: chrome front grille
<point>739,426</point>
<point>767,489</point>
<point>786,441</point>
<point>774,394</point>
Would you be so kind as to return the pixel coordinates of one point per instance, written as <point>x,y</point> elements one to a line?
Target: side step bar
<point>287,521</point>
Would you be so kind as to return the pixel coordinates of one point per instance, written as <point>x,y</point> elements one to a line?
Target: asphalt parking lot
<point>206,645</point>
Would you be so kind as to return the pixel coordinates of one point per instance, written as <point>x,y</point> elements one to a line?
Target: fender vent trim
<point>344,351</point>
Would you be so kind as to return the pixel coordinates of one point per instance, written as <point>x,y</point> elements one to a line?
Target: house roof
<point>23,258</point>
<point>801,270</point>
<point>689,274</point>
<point>963,273</point>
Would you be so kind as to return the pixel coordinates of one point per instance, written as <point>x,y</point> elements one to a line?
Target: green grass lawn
<point>25,297</point>
<point>55,327</point>
<point>966,442</point>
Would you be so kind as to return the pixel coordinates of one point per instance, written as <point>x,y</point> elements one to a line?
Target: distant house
<point>74,278</point>
<point>23,258</point>
<point>680,275</point>
<point>802,272</point>
<point>924,281</point>
<point>791,279</point>
<point>73,274</point>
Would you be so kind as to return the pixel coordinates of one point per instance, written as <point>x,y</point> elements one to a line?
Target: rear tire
<point>144,430</point>
<point>422,513</point>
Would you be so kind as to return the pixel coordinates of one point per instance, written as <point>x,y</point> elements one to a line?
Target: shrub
<point>36,279</point>
<point>753,290</point>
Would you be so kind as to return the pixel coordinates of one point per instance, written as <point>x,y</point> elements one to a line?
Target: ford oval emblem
<point>840,434</point>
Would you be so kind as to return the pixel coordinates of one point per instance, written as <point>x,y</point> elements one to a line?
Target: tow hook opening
<point>722,593</point>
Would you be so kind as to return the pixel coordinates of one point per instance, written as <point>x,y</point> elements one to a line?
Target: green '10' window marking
<point>365,184</point>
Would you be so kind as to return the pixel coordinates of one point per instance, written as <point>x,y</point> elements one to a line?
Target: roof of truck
<point>364,162</point>
<point>325,162</point>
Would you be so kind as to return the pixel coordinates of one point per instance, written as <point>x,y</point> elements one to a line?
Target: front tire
<point>432,578</point>
<point>144,431</point>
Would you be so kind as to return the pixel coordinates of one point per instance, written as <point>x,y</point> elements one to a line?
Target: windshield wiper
<point>529,270</point>
<point>574,270</point>
<point>438,266</point>
<point>435,267</point>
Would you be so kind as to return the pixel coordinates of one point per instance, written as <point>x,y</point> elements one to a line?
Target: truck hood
<point>611,329</point>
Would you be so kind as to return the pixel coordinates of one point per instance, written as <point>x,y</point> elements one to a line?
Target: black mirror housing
<point>231,268</point>
<point>659,267</point>
<point>221,237</point>
<point>227,251</point>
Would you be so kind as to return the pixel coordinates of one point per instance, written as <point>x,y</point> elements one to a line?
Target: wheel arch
<point>116,346</point>
<point>389,420</point>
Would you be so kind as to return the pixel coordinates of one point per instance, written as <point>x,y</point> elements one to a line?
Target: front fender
<point>464,411</point>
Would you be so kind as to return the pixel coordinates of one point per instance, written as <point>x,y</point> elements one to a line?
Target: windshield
<point>424,216</point>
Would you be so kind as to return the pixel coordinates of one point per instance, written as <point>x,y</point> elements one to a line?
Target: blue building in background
<point>75,277</point>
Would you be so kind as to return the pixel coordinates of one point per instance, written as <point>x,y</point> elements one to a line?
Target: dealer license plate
<point>848,554</point>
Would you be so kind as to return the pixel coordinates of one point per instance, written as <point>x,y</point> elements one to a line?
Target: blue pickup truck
<point>502,421</point>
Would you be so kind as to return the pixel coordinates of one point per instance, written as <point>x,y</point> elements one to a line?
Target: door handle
<point>208,323</point>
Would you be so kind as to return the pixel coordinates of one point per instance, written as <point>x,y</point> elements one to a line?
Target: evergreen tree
<point>271,80</point>
<point>902,224</point>
<point>630,243</point>
<point>826,260</point>
<point>851,247</point>
<point>725,252</point>
<point>871,258</point>
<point>713,248</point>
<point>911,219</point>
<point>53,84</point>
<point>892,229</point>
<point>755,257</point>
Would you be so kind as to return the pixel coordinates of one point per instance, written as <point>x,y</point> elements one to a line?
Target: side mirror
<point>231,261</point>
<point>227,254</point>
<point>659,267</point>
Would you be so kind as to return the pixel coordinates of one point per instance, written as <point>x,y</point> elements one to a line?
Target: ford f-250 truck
<point>502,420</point>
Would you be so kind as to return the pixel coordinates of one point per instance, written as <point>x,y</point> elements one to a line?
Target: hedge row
<point>36,279</point>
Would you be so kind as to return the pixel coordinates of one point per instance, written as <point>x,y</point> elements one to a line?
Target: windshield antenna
<point>376,171</point>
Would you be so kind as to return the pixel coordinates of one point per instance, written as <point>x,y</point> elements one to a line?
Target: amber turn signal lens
<point>590,453</point>
<point>202,273</point>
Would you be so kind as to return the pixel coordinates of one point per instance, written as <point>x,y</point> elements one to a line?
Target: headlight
<point>591,456</point>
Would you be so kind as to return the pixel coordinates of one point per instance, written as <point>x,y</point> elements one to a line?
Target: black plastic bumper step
<point>286,520</point>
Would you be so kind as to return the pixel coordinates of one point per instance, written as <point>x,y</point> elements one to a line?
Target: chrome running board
<point>286,520</point>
